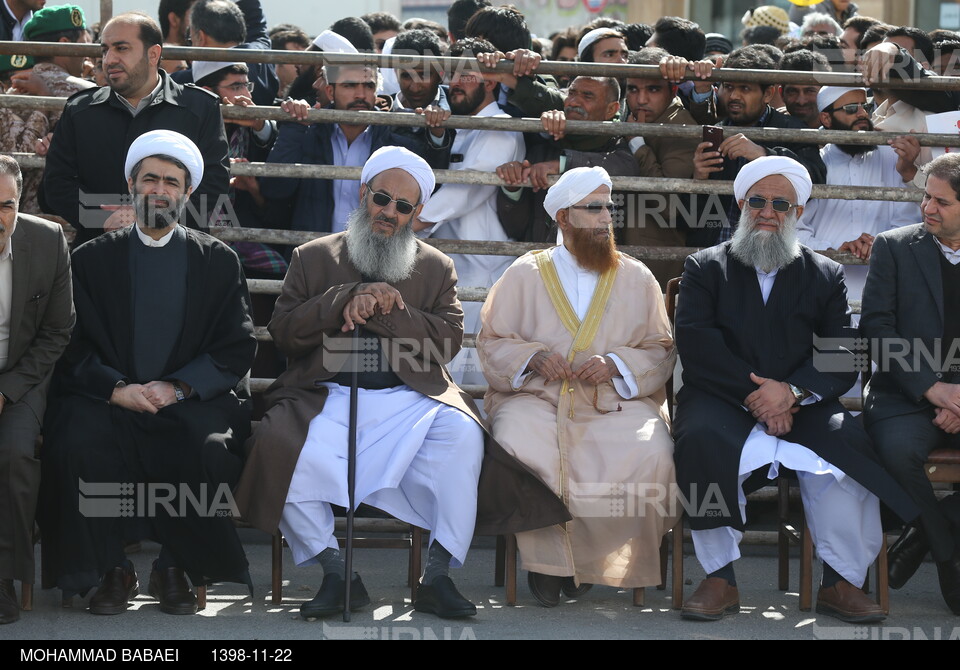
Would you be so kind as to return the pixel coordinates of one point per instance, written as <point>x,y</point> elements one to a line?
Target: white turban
<point>333,42</point>
<point>573,187</point>
<point>830,94</point>
<point>592,37</point>
<point>167,143</point>
<point>202,68</point>
<point>766,166</point>
<point>388,158</point>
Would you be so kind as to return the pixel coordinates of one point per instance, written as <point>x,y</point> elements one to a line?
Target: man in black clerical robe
<point>144,433</point>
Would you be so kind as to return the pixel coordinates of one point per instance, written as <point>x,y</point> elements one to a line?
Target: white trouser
<point>417,459</point>
<point>843,517</point>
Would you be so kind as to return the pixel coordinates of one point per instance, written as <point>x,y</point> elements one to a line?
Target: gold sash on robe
<point>582,332</point>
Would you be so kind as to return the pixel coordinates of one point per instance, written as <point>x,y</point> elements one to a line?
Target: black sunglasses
<point>596,208</point>
<point>851,108</point>
<point>381,199</point>
<point>779,205</point>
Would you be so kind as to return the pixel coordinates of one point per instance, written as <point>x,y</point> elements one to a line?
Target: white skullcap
<point>592,37</point>
<point>830,94</point>
<point>388,158</point>
<point>331,41</point>
<point>766,166</point>
<point>389,84</point>
<point>167,143</point>
<point>574,186</point>
<point>202,68</point>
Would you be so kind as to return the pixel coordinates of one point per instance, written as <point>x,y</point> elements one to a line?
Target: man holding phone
<point>746,105</point>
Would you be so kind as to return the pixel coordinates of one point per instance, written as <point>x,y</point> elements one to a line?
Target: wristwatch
<point>798,393</point>
<point>178,391</point>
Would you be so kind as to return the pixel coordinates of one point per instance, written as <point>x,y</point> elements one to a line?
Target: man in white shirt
<point>14,15</point>
<point>851,225</point>
<point>469,211</point>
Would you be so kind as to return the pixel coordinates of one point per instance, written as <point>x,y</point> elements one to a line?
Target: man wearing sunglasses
<point>761,388</point>
<point>577,394</point>
<point>851,225</point>
<point>420,442</point>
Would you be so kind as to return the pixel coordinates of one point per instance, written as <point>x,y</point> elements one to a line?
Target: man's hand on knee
<point>947,421</point>
<point>773,398</point>
<point>550,366</point>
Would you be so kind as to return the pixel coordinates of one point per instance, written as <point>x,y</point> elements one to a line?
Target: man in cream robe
<point>577,394</point>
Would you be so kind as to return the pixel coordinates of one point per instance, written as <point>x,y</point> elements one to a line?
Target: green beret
<point>54,20</point>
<point>9,63</point>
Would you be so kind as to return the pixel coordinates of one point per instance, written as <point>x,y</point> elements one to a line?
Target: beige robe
<point>614,471</point>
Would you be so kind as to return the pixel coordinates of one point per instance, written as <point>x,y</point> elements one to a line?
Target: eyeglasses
<point>851,108</point>
<point>596,207</point>
<point>779,204</point>
<point>239,86</point>
<point>825,33</point>
<point>381,199</point>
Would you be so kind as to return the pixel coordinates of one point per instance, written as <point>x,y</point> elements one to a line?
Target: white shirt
<point>953,257</point>
<point>579,286</point>
<point>469,211</point>
<point>6,300</point>
<point>17,32</point>
<point>828,223</point>
<point>346,192</point>
<point>150,242</point>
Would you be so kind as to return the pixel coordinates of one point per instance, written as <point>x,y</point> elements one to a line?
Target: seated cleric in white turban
<point>757,323</point>
<point>576,346</point>
<point>147,394</point>
<point>419,441</point>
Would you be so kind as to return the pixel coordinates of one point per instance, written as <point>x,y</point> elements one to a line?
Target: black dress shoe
<point>9,609</point>
<point>170,587</point>
<point>906,555</point>
<point>545,588</point>
<point>329,599</point>
<point>441,597</point>
<point>949,573</point>
<point>571,590</point>
<point>118,587</point>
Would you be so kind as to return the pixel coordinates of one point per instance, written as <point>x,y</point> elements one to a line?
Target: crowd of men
<point>147,382</point>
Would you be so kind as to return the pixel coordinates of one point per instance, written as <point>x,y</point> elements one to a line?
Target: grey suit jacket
<point>42,313</point>
<point>902,315</point>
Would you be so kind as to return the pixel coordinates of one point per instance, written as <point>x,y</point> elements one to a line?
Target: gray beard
<point>387,259</point>
<point>763,249</point>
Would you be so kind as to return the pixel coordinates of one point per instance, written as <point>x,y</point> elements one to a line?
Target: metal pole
<point>351,469</point>
<point>106,12</point>
<point>451,64</point>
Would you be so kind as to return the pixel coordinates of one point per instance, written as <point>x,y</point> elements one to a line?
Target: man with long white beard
<point>760,392</point>
<point>419,438</point>
<point>577,394</point>
<point>146,393</point>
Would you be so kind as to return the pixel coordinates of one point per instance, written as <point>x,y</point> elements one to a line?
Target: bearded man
<point>419,438</point>
<point>760,392</point>
<point>852,225</point>
<point>146,396</point>
<point>577,394</point>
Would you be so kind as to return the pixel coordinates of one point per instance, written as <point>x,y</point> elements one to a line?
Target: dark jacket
<point>307,203</point>
<point>725,331</point>
<point>263,75</point>
<point>85,163</point>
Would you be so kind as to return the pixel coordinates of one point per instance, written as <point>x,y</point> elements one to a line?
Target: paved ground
<point>603,613</point>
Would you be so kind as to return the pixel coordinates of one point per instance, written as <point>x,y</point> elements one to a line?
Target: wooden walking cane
<point>351,470</point>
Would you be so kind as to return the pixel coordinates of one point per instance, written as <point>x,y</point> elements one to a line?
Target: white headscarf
<point>574,186</point>
<point>388,158</point>
<point>333,42</point>
<point>766,166</point>
<point>168,143</point>
<point>592,37</point>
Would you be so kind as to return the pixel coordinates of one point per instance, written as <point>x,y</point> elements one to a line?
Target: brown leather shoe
<point>712,599</point>
<point>170,587</point>
<point>118,587</point>
<point>846,602</point>
<point>9,609</point>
